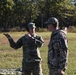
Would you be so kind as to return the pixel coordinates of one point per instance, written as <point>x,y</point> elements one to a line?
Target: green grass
<point>10,58</point>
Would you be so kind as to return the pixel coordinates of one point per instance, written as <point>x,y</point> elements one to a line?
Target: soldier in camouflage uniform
<point>31,56</point>
<point>57,48</point>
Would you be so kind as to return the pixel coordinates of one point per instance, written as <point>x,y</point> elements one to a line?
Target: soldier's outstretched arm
<point>13,44</point>
<point>8,36</point>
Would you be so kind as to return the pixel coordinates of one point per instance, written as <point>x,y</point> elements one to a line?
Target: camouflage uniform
<point>31,56</point>
<point>57,52</point>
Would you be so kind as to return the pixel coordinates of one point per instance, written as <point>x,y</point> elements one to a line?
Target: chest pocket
<point>55,44</point>
<point>26,42</point>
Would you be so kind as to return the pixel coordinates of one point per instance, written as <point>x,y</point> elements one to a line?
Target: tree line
<point>18,13</point>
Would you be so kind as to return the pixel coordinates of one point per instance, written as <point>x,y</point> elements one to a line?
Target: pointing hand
<point>8,36</point>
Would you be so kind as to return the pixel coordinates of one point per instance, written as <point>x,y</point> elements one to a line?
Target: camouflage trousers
<point>53,71</point>
<point>33,68</point>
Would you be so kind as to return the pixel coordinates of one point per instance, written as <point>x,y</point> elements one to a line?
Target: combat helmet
<point>54,21</point>
<point>31,25</point>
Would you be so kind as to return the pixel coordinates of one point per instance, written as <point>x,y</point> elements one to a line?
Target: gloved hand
<point>8,36</point>
<point>61,72</point>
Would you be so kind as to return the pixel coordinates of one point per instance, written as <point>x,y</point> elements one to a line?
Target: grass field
<point>10,58</point>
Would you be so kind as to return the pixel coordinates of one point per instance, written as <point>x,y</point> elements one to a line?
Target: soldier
<point>31,56</point>
<point>57,48</point>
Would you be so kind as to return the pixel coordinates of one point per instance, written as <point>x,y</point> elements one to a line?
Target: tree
<point>17,13</point>
<point>62,9</point>
<point>25,11</point>
<point>6,8</point>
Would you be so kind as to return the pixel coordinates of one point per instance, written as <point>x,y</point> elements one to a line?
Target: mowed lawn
<point>10,58</point>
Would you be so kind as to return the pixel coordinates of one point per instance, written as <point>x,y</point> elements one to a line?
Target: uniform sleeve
<point>15,45</point>
<point>63,52</point>
<point>39,41</point>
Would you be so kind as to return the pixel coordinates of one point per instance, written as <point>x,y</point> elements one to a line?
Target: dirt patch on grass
<point>46,41</point>
<point>5,40</point>
<point>71,39</point>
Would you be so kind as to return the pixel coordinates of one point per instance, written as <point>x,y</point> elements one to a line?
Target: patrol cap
<point>31,25</point>
<point>54,21</point>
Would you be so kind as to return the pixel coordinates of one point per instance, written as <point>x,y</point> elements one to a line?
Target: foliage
<point>15,13</point>
<point>72,29</point>
<point>6,9</point>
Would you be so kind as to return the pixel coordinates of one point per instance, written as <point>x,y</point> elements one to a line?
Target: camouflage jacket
<point>30,47</point>
<point>58,50</point>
